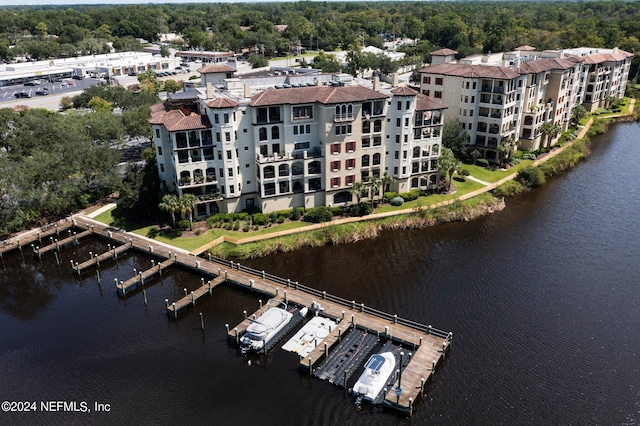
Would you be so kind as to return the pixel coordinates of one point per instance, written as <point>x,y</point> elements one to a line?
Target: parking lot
<point>45,88</point>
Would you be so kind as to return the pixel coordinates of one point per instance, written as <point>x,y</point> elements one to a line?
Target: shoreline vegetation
<point>474,198</point>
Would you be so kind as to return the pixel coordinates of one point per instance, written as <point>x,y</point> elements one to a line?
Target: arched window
<point>416,152</point>
<point>365,160</point>
<point>275,132</point>
<point>366,127</point>
<point>376,159</point>
<point>377,126</point>
<point>283,170</point>
<point>269,172</point>
<point>262,133</point>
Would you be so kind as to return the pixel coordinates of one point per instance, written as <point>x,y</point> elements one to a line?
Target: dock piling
<point>201,322</point>
<point>175,313</point>
<point>193,299</point>
<point>144,293</point>
<point>57,258</point>
<point>98,275</point>
<point>245,314</point>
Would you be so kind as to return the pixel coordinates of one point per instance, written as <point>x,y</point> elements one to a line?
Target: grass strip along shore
<point>481,193</point>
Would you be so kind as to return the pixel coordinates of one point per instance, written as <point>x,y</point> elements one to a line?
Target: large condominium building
<point>509,96</point>
<point>236,147</point>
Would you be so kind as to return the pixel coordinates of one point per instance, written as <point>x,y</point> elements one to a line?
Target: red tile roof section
<point>444,52</point>
<point>404,91</point>
<point>175,119</point>
<point>472,71</point>
<point>323,95</point>
<point>546,64</point>
<point>425,103</point>
<point>222,103</point>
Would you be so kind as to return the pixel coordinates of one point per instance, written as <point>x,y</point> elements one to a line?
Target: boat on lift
<point>374,378</point>
<point>264,328</point>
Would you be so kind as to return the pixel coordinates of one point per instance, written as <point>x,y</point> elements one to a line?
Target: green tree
<point>187,203</point>
<point>506,148</point>
<point>357,189</point>
<point>164,51</point>
<point>387,180</point>
<point>170,204</point>
<point>257,61</point>
<point>578,113</point>
<point>375,183</point>
<point>172,86</point>
<point>448,164</point>
<point>326,62</point>
<point>455,137</point>
<point>99,105</point>
<point>475,154</point>
<point>549,130</point>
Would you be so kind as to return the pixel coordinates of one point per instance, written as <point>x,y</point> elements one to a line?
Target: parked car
<point>42,93</point>
<point>77,77</point>
<point>71,83</point>
<point>63,84</point>
<point>22,95</point>
<point>32,83</point>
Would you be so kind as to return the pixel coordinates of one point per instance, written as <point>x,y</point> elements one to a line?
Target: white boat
<point>310,336</point>
<point>262,329</point>
<point>376,373</point>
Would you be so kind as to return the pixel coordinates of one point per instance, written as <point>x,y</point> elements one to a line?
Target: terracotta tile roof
<point>215,68</point>
<point>546,64</point>
<point>444,52</point>
<point>222,103</point>
<point>472,71</point>
<point>176,119</point>
<point>425,103</point>
<point>599,58</point>
<point>323,95</point>
<point>404,91</point>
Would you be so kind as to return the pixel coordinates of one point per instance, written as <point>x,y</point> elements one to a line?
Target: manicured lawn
<point>491,176</point>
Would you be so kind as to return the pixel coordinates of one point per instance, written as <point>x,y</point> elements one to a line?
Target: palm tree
<point>549,130</point>
<point>187,204</point>
<point>357,190</point>
<point>375,184</point>
<point>505,149</point>
<point>448,163</point>
<point>387,180</point>
<point>171,204</point>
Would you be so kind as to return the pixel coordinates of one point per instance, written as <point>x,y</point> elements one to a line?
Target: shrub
<point>273,217</point>
<point>318,214</point>
<point>260,219</point>
<point>236,225</point>
<point>508,189</point>
<point>337,210</point>
<point>528,156</point>
<point>482,162</point>
<point>252,210</point>
<point>246,228</point>
<point>281,219</point>
<point>183,224</point>
<point>360,209</point>
<point>397,201</point>
<point>531,177</point>
<point>295,214</point>
<point>198,231</point>
<point>411,195</point>
<point>464,173</point>
<point>388,196</point>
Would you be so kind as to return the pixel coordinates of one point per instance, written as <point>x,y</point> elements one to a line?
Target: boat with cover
<point>374,378</point>
<point>310,336</point>
<point>264,328</point>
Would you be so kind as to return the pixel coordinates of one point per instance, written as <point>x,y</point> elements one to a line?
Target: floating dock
<point>429,344</point>
<point>310,336</point>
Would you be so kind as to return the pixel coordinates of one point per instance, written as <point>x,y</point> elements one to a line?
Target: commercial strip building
<point>508,96</point>
<point>106,66</point>
<point>294,140</point>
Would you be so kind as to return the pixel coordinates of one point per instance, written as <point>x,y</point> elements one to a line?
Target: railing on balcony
<point>343,117</point>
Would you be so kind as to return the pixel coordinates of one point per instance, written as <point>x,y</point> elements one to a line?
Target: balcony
<point>275,157</point>
<point>339,118</point>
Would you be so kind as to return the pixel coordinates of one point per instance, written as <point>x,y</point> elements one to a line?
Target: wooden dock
<point>235,333</point>
<point>98,259</point>
<point>55,246</point>
<point>191,299</point>
<point>134,282</point>
<point>429,345</point>
<point>36,236</point>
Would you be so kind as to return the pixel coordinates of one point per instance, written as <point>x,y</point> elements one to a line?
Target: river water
<point>543,299</point>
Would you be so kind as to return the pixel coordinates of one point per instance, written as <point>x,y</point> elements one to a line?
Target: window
<point>399,107</point>
<point>216,118</point>
<point>302,112</point>
<point>397,138</point>
<point>406,121</point>
<point>218,137</point>
<point>408,104</point>
<point>437,94</point>
<point>366,127</point>
<point>230,171</point>
<point>335,148</point>
<point>226,118</point>
<point>301,145</point>
<point>275,132</point>
<point>366,142</point>
<point>426,80</point>
<point>398,121</point>
<point>351,146</point>
<point>344,129</point>
<point>219,155</point>
<point>157,133</point>
<point>426,92</point>
<point>221,172</point>
<point>376,159</point>
<point>377,126</point>
<point>335,182</point>
<point>262,133</point>
<point>351,163</point>
<point>159,150</point>
<point>161,168</point>
<point>396,155</point>
<point>404,154</point>
<point>365,160</point>
<point>228,155</point>
<point>351,179</point>
<point>227,136</point>
<point>439,81</point>
<point>335,166</point>
<point>232,189</point>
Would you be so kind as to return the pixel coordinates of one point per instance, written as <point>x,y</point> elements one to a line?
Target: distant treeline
<point>468,27</point>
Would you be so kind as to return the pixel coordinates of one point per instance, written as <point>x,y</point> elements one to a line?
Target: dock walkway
<point>191,299</point>
<point>134,282</point>
<point>107,255</point>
